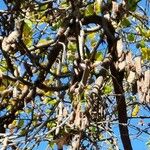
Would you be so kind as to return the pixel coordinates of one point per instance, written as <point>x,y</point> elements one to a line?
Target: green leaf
<point>131,37</point>
<point>125,22</point>
<point>97,6</point>
<point>141,44</point>
<point>147,35</point>
<point>64,69</point>
<point>23,132</point>
<point>20,123</point>
<point>72,46</point>
<point>43,7</point>
<point>132,4</point>
<point>145,53</point>
<point>89,10</point>
<point>27,32</point>
<point>51,124</point>
<point>28,23</point>
<point>91,36</point>
<point>3,66</point>
<point>64,4</point>
<point>99,56</point>
<point>51,145</point>
<point>56,25</point>
<point>107,89</point>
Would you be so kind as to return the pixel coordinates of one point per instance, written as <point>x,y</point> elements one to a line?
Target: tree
<point>71,71</point>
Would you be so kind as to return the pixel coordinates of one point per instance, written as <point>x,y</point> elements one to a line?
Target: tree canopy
<point>74,71</point>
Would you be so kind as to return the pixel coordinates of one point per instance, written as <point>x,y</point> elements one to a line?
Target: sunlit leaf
<point>97,6</point>
<point>135,110</point>
<point>145,53</point>
<point>91,36</point>
<point>98,56</point>
<point>72,46</point>
<point>108,89</point>
<point>89,10</point>
<point>56,25</point>
<point>64,69</point>
<point>64,4</point>
<point>27,32</point>
<point>43,7</point>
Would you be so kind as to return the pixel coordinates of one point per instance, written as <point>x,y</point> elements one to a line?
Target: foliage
<point>73,71</point>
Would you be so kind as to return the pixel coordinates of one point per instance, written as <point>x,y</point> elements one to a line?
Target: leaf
<point>125,22</point>
<point>27,32</point>
<point>145,53</point>
<point>147,34</point>
<point>56,25</point>
<point>20,123</point>
<point>3,66</point>
<point>43,7</point>
<point>97,6</point>
<point>51,145</point>
<point>64,69</point>
<point>91,36</point>
<point>14,123</point>
<point>72,46</point>
<point>42,41</point>
<point>99,56</point>
<point>135,110</point>
<point>131,37</point>
<point>64,4</point>
<point>23,132</point>
<point>107,89</point>
<point>9,107</point>
<point>2,88</point>
<point>141,44</point>
<point>89,10</point>
<point>132,4</point>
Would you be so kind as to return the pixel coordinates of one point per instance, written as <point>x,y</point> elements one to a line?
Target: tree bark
<point>117,78</point>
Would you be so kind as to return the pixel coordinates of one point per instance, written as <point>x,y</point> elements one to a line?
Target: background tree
<point>73,71</point>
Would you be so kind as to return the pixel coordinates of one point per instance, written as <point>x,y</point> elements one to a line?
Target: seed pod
<point>119,47</point>
<point>13,36</point>
<point>138,65</point>
<point>131,77</point>
<point>5,46</point>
